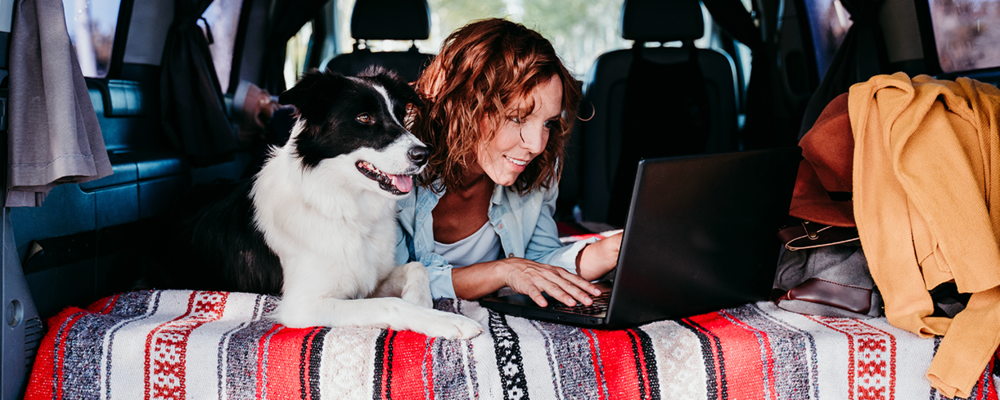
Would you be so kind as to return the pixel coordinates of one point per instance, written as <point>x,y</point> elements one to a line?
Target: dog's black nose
<point>418,155</point>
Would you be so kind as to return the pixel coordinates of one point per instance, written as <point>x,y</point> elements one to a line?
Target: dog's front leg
<point>409,282</point>
<point>387,312</point>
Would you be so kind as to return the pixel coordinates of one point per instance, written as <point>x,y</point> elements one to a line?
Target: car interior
<point>179,107</point>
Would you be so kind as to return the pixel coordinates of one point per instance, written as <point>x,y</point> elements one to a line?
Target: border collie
<point>318,222</point>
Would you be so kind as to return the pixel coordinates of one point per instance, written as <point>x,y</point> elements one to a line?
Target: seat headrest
<point>662,21</point>
<point>391,20</point>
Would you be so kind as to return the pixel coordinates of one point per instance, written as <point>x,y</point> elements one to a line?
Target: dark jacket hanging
<point>191,102</point>
<point>759,130</point>
<point>859,57</point>
<point>289,17</point>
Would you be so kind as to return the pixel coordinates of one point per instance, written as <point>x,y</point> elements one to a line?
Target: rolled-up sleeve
<point>438,269</point>
<point>439,272</point>
<point>545,246</point>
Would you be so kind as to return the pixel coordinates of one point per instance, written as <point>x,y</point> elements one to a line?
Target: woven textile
<point>216,345</point>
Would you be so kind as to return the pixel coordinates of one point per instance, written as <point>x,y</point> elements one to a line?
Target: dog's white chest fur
<point>328,233</point>
<point>325,204</point>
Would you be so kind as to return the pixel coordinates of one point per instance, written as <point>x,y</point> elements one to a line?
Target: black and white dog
<point>318,222</point>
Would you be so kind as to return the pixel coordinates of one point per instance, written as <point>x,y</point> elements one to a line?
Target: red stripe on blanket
<point>407,366</point>
<point>767,353</point>
<point>986,388</point>
<point>50,358</point>
<point>282,374</point>
<point>871,367</point>
<point>622,361</point>
<point>595,357</point>
<point>47,376</point>
<point>743,373</point>
<point>262,353</point>
<point>166,345</point>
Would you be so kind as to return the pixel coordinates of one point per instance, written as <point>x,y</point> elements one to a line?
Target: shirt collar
<point>498,196</point>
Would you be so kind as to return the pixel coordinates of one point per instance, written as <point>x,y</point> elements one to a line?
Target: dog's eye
<point>365,119</point>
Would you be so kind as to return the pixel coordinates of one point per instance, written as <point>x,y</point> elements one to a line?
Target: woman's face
<point>518,140</point>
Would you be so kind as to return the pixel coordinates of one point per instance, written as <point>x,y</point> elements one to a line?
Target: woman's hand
<point>531,278</point>
<point>600,257</point>
<point>525,277</point>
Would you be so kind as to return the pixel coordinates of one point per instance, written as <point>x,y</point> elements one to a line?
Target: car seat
<point>386,20</point>
<point>650,96</point>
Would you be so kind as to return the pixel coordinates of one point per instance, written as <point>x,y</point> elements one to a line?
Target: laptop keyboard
<point>599,306</point>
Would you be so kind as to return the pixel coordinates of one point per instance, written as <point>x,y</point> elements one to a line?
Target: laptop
<point>699,237</point>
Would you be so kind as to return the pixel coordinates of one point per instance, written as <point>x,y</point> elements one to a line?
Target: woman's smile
<point>523,136</point>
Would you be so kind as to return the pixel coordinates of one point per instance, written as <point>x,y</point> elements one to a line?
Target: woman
<point>498,110</point>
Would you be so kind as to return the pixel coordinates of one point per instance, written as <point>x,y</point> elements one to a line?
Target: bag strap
<point>810,235</point>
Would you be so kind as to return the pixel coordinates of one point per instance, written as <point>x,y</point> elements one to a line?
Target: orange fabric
<point>927,206</point>
<point>828,153</point>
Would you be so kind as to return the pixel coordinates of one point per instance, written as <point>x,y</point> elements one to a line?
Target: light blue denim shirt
<point>524,224</point>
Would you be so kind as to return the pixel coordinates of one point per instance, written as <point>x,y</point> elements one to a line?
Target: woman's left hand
<point>599,257</point>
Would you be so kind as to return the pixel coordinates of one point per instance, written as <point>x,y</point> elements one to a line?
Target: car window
<point>296,51</point>
<point>223,18</point>
<point>91,26</point>
<point>965,34</point>
<point>829,22</point>
<point>580,30</point>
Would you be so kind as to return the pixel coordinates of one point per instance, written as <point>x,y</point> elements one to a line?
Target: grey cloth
<point>53,136</point>
<point>844,264</point>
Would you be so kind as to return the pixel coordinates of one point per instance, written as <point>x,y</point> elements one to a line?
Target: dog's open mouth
<point>395,184</point>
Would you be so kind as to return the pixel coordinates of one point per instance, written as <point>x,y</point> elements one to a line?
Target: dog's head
<point>358,121</point>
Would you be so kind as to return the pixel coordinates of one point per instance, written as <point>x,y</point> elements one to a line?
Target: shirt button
<point>510,255</point>
<point>500,226</point>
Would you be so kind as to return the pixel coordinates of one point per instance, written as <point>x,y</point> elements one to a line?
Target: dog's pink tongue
<point>402,182</point>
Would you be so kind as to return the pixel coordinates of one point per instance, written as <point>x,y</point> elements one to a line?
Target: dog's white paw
<point>417,289</point>
<point>448,326</point>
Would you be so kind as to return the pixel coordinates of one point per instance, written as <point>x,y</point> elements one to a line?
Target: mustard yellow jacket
<point>927,205</point>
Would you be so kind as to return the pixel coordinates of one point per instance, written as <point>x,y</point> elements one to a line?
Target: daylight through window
<point>91,26</point>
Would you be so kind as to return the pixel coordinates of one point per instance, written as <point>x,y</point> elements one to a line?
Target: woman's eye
<point>364,119</point>
<point>551,124</point>
<point>516,120</point>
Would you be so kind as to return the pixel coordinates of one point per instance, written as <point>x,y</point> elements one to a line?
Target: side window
<point>296,52</point>
<point>91,26</point>
<point>829,22</point>
<point>580,30</point>
<point>223,20</point>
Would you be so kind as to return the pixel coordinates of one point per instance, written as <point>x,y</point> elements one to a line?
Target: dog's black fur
<point>211,241</point>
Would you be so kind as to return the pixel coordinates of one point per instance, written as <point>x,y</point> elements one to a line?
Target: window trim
<point>120,40</point>
<point>314,54</point>
<point>808,45</point>
<point>239,44</point>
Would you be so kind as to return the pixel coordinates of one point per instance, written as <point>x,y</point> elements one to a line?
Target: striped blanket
<point>215,345</point>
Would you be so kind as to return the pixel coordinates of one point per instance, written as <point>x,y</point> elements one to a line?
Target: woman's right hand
<point>532,278</point>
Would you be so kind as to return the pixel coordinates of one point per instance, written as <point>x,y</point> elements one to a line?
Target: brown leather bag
<point>822,269</point>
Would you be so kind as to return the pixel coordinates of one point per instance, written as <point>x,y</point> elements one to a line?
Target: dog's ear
<point>393,83</point>
<point>314,93</point>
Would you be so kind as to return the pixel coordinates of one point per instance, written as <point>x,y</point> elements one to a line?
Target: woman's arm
<point>599,258</point>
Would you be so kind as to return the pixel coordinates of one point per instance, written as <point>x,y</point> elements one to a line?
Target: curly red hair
<point>483,71</point>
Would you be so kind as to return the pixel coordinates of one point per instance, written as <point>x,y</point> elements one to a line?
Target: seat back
<point>386,20</point>
<point>601,144</point>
